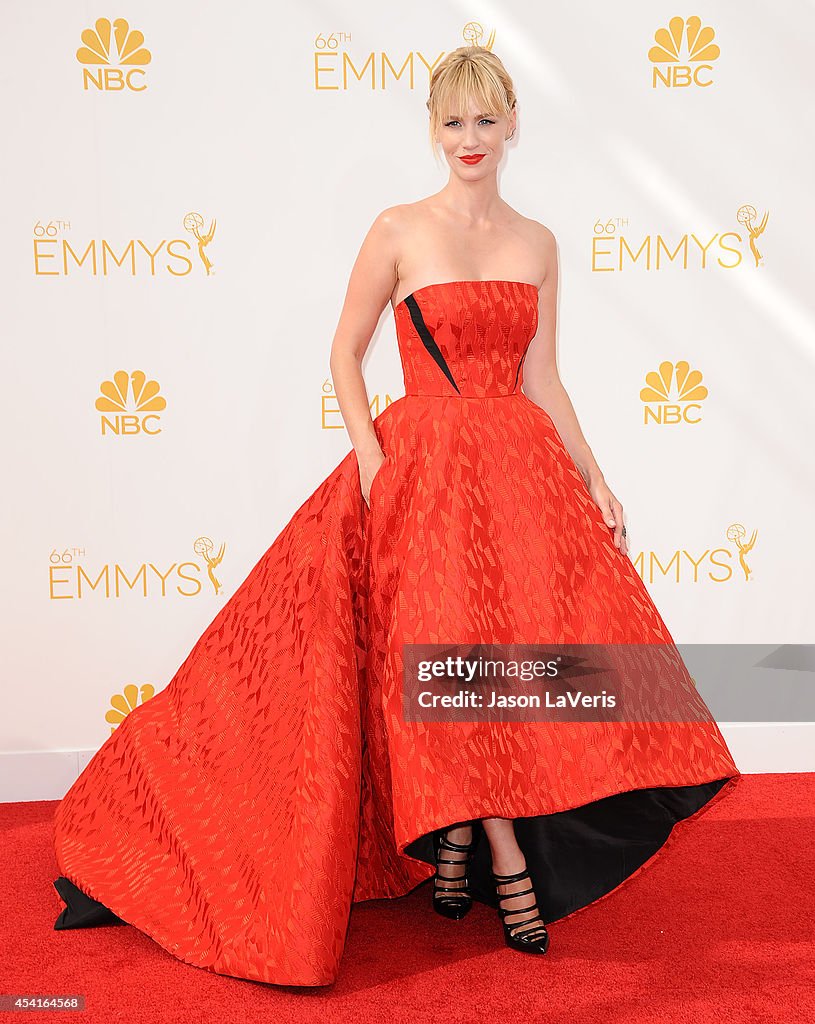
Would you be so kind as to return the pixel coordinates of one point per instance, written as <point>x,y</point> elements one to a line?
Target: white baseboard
<point>757,748</point>
<point>40,774</point>
<point>770,747</point>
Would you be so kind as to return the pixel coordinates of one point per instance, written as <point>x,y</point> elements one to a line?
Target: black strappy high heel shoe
<point>534,939</point>
<point>452,901</point>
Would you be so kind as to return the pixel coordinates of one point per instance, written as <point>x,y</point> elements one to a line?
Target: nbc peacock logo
<point>683,54</point>
<point>121,704</point>
<point>130,404</point>
<point>673,394</point>
<point>113,57</point>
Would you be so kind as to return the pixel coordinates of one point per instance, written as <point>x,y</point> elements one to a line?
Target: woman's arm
<point>543,386</point>
<point>542,383</point>
<point>373,278</point>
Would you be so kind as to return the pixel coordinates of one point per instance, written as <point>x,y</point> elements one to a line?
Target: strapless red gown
<point>237,815</point>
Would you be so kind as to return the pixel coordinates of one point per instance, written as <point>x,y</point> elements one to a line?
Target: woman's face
<point>473,141</point>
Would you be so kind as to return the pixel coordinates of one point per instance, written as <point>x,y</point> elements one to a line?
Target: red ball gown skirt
<point>237,815</point>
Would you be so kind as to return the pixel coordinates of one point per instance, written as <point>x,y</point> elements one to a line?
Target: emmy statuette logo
<point>204,547</point>
<point>747,216</point>
<point>736,534</point>
<point>193,222</point>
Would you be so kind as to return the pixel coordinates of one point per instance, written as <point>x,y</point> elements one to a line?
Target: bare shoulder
<point>544,236</point>
<point>389,230</point>
<point>402,229</point>
<point>383,243</point>
<point>387,221</point>
<point>539,240</point>
<point>398,218</point>
<point>546,247</point>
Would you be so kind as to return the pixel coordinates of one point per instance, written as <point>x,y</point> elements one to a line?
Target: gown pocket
<point>373,494</point>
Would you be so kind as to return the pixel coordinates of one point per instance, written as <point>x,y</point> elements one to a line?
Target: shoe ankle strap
<point>450,845</point>
<point>503,879</point>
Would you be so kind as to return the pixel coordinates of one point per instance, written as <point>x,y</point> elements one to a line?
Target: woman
<point>277,779</point>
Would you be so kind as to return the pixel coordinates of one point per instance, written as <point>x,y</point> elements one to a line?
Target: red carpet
<point>717,928</point>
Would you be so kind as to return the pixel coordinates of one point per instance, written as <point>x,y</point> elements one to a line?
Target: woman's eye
<point>448,124</point>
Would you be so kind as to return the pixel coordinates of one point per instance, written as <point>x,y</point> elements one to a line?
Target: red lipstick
<point>474,159</point>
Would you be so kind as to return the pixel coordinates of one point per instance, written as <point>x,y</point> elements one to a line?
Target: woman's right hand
<point>368,468</point>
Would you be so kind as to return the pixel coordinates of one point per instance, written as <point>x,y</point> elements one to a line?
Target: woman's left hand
<point>612,512</point>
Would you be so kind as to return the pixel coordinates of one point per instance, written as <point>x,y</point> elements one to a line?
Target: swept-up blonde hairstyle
<point>468,73</point>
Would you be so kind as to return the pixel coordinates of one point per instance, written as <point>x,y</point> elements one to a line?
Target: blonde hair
<point>468,73</point>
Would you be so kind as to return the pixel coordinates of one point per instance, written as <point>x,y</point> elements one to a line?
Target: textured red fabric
<point>236,815</point>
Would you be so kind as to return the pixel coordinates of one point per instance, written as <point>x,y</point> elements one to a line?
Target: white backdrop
<point>283,131</point>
